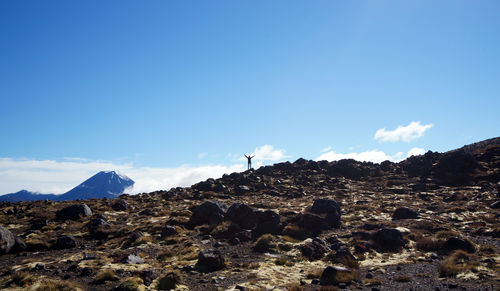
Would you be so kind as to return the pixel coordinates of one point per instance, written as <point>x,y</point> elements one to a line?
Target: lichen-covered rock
<point>7,240</point>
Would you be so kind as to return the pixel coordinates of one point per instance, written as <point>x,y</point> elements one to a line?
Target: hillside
<point>430,222</point>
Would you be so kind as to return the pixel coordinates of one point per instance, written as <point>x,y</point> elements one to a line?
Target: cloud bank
<point>412,131</point>
<point>374,156</point>
<point>51,176</point>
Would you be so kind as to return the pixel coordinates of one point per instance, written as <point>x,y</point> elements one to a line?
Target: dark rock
<point>331,275</point>
<point>404,213</point>
<point>388,239</point>
<point>311,223</point>
<point>64,242</point>
<point>38,223</point>
<point>242,189</point>
<point>495,205</point>
<point>210,260</point>
<point>243,215</point>
<point>148,277</point>
<point>268,221</point>
<point>313,250</point>
<point>120,205</point>
<point>325,206</point>
<point>210,212</point>
<point>19,245</point>
<point>73,212</point>
<point>454,243</point>
<point>133,259</point>
<point>170,281</point>
<point>168,230</point>
<point>87,271</point>
<point>135,235</point>
<point>38,267</point>
<point>456,168</point>
<point>7,240</point>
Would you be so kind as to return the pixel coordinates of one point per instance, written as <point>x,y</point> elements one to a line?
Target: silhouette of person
<point>249,161</point>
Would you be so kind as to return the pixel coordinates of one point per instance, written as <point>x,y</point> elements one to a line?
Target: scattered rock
<point>7,240</point>
<point>334,275</point>
<point>404,213</point>
<point>243,215</point>
<point>388,239</point>
<point>454,243</point>
<point>268,221</point>
<point>120,205</point>
<point>170,281</point>
<point>210,260</point>
<point>314,250</point>
<point>73,212</point>
<point>64,242</point>
<point>495,205</point>
<point>210,212</point>
<point>168,230</point>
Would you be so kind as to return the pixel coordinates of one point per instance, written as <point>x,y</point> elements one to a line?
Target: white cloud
<point>375,156</point>
<point>50,176</point>
<point>416,152</point>
<point>368,156</point>
<point>412,131</point>
<point>326,149</point>
<point>202,155</point>
<point>266,153</point>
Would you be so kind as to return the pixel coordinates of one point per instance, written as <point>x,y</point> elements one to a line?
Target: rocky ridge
<point>430,222</point>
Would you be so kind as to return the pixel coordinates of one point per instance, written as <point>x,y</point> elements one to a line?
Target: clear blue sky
<point>158,82</point>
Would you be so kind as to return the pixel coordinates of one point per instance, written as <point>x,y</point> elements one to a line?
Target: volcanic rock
<point>243,215</point>
<point>210,212</point>
<point>332,274</point>
<point>404,213</point>
<point>73,212</point>
<point>389,239</point>
<point>7,240</point>
<point>210,260</point>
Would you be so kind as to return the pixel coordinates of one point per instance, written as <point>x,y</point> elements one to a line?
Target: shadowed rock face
<point>346,223</point>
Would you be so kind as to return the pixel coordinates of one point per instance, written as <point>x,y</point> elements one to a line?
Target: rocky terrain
<point>431,222</point>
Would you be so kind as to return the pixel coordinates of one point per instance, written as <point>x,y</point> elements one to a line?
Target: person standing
<point>249,158</point>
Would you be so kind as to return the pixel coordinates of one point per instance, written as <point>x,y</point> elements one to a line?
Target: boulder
<point>7,240</point>
<point>170,281</point>
<point>64,242</point>
<point>454,243</point>
<point>120,205</point>
<point>19,245</point>
<point>325,206</point>
<point>210,260</point>
<point>243,215</point>
<point>314,250</point>
<point>73,212</point>
<point>268,221</point>
<point>389,239</point>
<point>168,230</point>
<point>333,275</point>
<point>404,213</point>
<point>38,223</point>
<point>311,223</point>
<point>210,212</point>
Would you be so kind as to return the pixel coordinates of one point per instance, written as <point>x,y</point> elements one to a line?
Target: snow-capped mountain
<point>109,184</point>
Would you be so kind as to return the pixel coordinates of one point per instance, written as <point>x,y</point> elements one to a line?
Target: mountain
<point>109,184</point>
<point>25,195</point>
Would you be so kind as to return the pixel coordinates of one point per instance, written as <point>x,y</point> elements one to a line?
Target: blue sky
<point>175,85</point>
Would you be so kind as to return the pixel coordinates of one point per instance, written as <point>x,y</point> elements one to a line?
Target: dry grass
<point>131,284</point>
<point>458,262</point>
<point>445,234</point>
<point>58,285</point>
<point>372,282</point>
<point>20,279</point>
<point>105,276</point>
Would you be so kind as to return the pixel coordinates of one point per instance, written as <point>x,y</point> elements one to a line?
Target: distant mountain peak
<point>105,184</point>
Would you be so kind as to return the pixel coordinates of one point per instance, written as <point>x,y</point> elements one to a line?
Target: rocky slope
<point>430,222</point>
